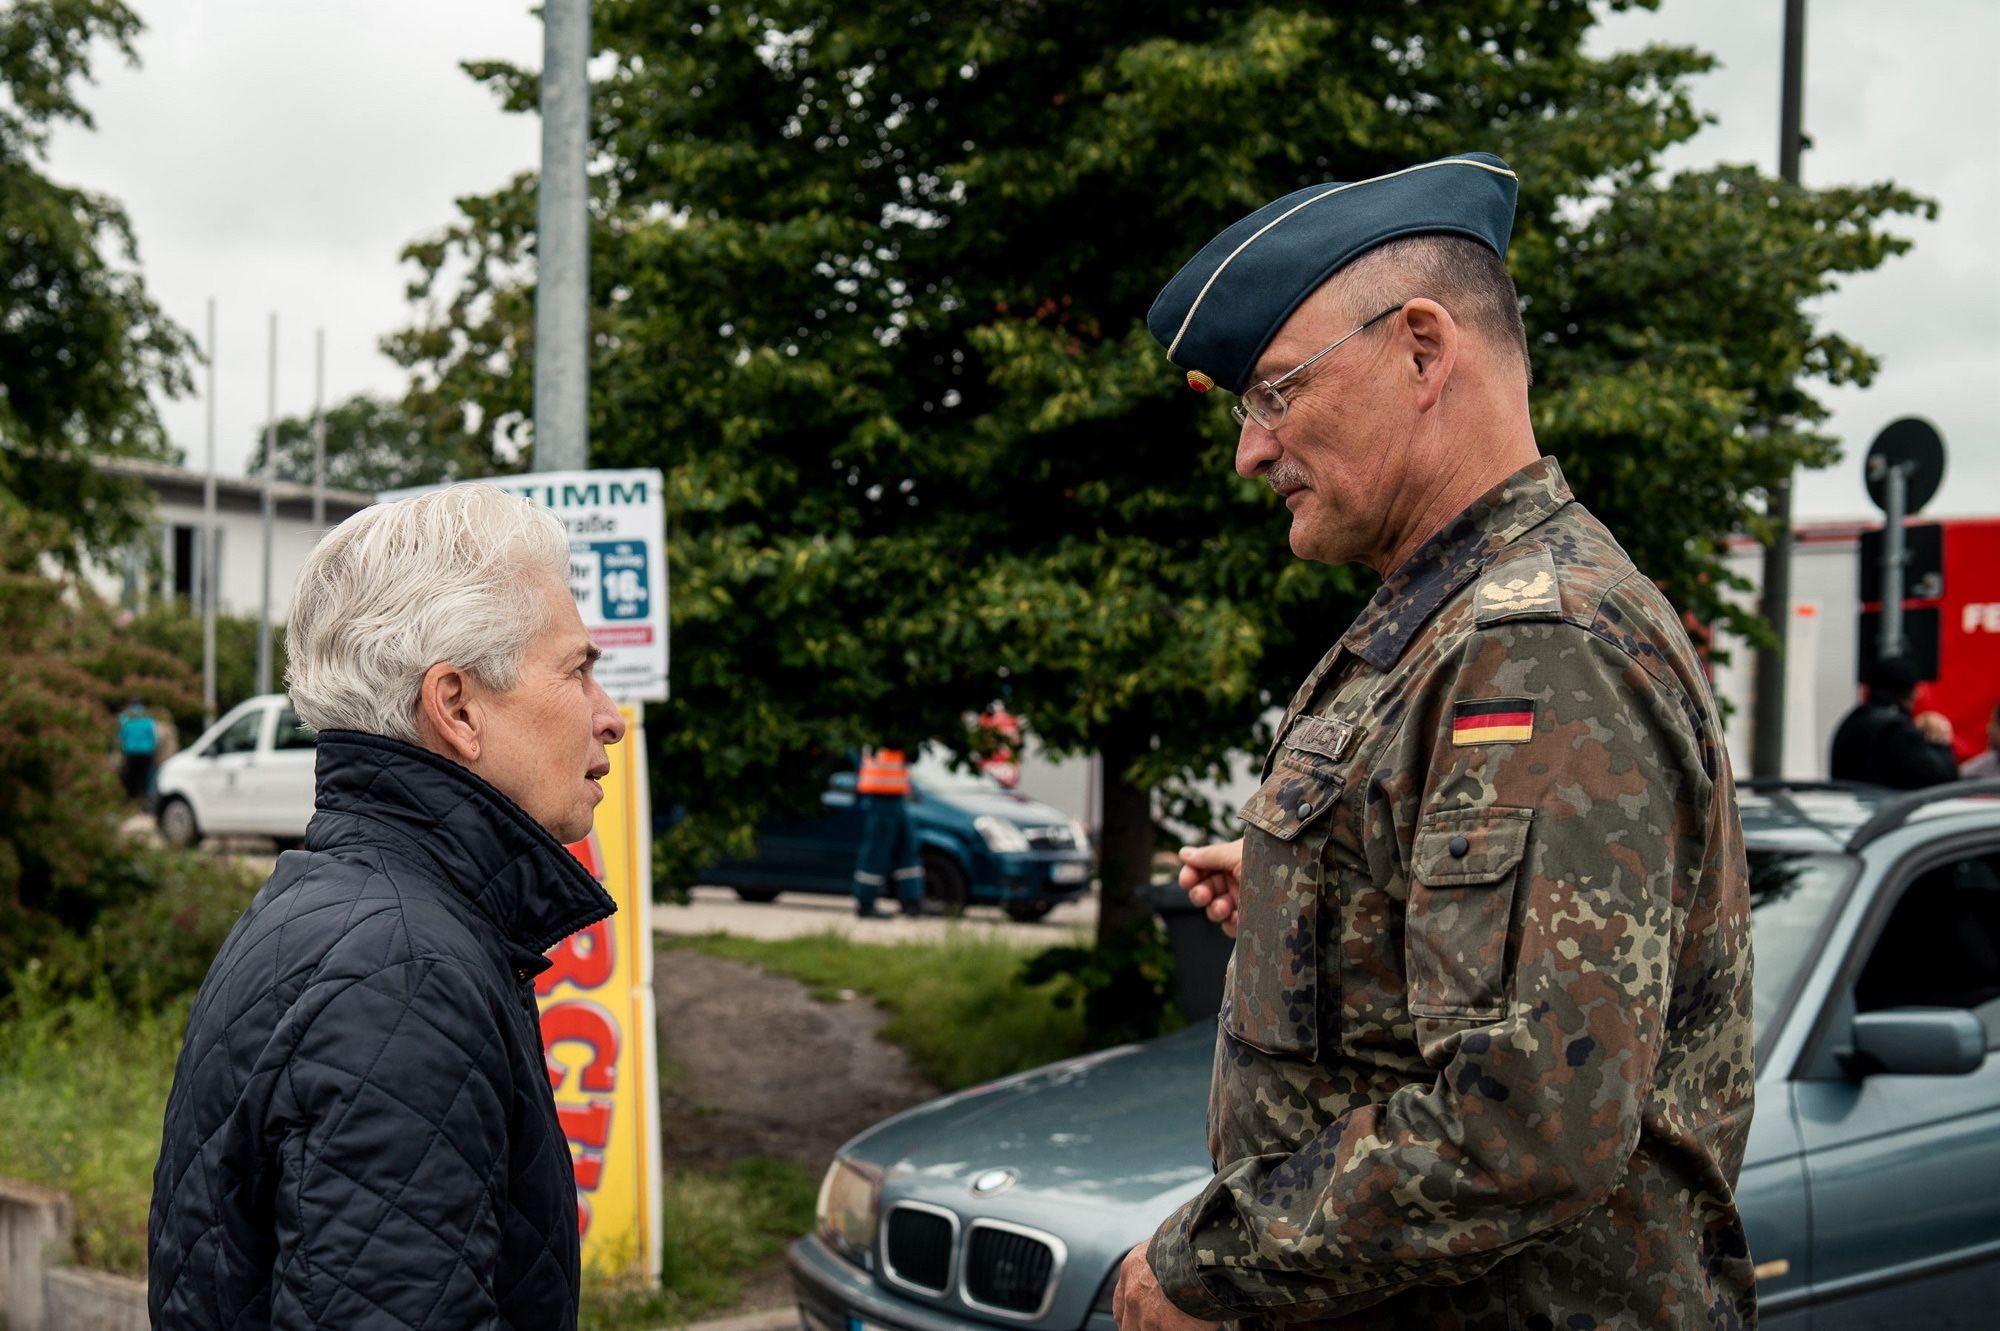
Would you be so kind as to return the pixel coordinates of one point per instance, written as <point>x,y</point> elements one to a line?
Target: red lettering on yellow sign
<point>580,1021</point>
<point>587,1124</point>
<point>583,959</point>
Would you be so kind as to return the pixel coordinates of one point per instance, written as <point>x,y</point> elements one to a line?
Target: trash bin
<point>1201,949</point>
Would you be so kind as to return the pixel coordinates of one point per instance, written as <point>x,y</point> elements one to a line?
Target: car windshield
<point>1792,897</point>
<point>933,770</point>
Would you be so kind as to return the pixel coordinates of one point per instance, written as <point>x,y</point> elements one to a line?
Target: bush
<point>83,1086</point>
<point>65,668</point>
<point>173,628</point>
<point>157,946</point>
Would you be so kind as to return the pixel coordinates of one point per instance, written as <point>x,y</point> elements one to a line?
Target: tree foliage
<point>65,669</point>
<point>82,345</point>
<point>372,445</point>
<point>868,284</point>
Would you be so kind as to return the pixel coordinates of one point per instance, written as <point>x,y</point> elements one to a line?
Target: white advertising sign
<point>617,522</point>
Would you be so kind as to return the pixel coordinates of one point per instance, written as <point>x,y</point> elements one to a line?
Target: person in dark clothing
<point>361,1131</point>
<point>1881,743</point>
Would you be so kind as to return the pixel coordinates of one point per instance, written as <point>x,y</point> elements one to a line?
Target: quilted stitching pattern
<point>360,1131</point>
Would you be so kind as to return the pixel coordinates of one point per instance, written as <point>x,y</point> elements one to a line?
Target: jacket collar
<point>1447,561</point>
<point>376,790</point>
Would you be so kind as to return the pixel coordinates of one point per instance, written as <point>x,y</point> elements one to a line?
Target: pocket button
<point>1459,845</point>
<point>1305,808</point>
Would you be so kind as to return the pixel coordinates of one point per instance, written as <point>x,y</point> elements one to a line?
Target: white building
<point>170,564</point>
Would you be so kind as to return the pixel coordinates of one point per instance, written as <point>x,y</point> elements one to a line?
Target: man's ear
<point>449,715</point>
<point>1430,342</point>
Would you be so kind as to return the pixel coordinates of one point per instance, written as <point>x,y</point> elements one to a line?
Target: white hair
<point>397,588</point>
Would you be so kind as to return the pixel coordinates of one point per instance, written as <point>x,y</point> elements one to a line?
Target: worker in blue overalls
<point>888,846</point>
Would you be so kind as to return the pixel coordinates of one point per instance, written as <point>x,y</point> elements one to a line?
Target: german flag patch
<point>1493,721</point>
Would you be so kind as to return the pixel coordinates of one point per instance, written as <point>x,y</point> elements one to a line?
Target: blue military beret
<point>1223,308</point>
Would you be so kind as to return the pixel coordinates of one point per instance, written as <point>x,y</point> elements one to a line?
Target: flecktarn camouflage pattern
<point>1485,1052</point>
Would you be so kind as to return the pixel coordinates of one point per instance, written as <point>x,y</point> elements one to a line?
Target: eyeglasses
<point>1264,404</point>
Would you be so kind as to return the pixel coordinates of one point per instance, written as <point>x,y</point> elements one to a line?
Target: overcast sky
<point>278,154</point>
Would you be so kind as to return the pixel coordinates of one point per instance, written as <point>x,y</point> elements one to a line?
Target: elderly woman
<point>361,1131</point>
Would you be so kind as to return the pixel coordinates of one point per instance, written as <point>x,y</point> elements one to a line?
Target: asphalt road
<point>716,909</point>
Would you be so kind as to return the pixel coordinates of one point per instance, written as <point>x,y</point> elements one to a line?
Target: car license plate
<point>1069,873</point>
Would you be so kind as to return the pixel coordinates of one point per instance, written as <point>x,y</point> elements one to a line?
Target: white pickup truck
<point>250,774</point>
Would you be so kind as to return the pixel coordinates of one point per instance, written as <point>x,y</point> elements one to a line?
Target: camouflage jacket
<point>1485,1049</point>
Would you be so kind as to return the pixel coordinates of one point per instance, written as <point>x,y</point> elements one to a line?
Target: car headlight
<point>1001,836</point>
<point>1081,833</point>
<point>846,1216</point>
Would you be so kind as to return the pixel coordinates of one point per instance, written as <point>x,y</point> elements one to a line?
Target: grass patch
<point>716,1229</point>
<point>83,1088</point>
<point>959,1008</point>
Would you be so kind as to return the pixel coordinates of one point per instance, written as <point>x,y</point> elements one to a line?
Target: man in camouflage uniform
<point>1484,1056</point>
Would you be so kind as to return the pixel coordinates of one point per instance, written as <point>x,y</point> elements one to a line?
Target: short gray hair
<point>1459,273</point>
<point>397,588</point>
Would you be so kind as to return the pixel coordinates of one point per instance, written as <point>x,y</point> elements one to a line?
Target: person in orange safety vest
<point>888,847</point>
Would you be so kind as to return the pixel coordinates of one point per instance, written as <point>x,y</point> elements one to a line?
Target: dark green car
<point>1871,1186</point>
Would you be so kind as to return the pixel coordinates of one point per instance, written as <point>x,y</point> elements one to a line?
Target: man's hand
<point>1211,876</point>
<point>1139,1304</point>
<point>1935,726</point>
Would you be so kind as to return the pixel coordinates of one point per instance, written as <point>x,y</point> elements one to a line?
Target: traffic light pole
<point>1767,745</point>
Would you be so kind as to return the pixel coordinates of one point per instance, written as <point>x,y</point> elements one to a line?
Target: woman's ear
<point>449,714</point>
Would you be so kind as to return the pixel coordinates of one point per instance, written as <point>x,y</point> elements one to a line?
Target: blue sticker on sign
<point>624,589</point>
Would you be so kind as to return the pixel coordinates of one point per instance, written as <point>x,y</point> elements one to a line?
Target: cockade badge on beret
<point>1223,308</point>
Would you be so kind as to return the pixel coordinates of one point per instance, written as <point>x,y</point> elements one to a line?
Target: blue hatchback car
<point>1870,1188</point>
<point>981,845</point>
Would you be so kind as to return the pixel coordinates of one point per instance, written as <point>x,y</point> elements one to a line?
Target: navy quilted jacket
<point>361,1131</point>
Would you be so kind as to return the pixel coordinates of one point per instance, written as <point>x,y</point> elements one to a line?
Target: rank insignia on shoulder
<point>1492,721</point>
<point>1519,593</point>
<point>1199,382</point>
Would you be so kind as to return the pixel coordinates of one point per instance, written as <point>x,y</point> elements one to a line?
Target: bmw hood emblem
<point>993,1181</point>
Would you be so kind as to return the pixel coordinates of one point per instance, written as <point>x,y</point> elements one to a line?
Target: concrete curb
<point>774,1319</point>
<point>80,1300</point>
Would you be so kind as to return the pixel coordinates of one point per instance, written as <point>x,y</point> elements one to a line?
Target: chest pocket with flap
<point>1272,1001</point>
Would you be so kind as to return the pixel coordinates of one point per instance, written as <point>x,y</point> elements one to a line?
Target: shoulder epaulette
<point>1522,586</point>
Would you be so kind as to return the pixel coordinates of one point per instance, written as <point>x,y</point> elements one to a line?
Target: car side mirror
<point>1917,1042</point>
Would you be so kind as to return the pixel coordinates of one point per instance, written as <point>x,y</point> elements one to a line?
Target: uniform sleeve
<point>1564,792</point>
<point>394,1131</point>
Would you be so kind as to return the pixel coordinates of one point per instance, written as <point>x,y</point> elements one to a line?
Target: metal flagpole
<point>319,428</point>
<point>562,242</point>
<point>270,464</point>
<point>211,543</point>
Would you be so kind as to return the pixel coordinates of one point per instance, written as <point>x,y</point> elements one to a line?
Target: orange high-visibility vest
<point>883,772</point>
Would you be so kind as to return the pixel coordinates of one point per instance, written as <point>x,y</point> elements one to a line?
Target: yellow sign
<point>598,1034</point>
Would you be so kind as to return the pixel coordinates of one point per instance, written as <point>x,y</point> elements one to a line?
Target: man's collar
<point>1448,560</point>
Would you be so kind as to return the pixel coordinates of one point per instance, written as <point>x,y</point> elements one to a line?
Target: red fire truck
<point>1951,620</point>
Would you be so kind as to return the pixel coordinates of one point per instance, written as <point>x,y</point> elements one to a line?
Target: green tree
<point>869,286</point>
<point>373,444</point>
<point>174,628</point>
<point>82,345</point>
<point>65,669</point>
